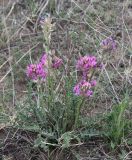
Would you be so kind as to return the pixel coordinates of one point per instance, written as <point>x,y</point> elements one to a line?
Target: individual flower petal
<point>76,90</point>
<point>43,59</point>
<point>93,83</point>
<point>89,93</point>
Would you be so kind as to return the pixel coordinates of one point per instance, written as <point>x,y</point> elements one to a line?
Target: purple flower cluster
<point>108,43</point>
<point>57,62</point>
<point>36,71</point>
<point>86,65</point>
<point>39,71</point>
<point>84,88</point>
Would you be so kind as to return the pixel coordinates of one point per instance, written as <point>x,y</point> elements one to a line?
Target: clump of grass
<point>117,125</point>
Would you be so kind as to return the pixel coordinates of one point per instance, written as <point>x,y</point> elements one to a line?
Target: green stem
<point>38,98</point>
<point>79,106</point>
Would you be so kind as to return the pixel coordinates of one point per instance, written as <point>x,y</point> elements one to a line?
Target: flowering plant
<point>40,70</point>
<point>55,98</point>
<point>108,43</point>
<point>58,98</point>
<point>87,66</point>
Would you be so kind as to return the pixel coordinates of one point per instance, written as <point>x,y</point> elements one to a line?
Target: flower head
<point>83,88</point>
<point>108,43</point>
<point>57,62</point>
<point>86,63</point>
<point>36,71</point>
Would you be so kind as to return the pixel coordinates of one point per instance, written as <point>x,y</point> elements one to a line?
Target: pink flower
<point>43,59</point>
<point>89,93</point>
<point>57,62</point>
<point>85,85</point>
<point>86,63</point>
<point>76,90</point>
<point>93,83</point>
<point>36,71</point>
<point>83,88</point>
<point>108,43</point>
